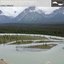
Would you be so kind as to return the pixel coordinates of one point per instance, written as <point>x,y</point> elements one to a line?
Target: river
<point>54,55</point>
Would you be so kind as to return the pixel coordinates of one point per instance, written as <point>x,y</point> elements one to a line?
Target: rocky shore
<point>2,61</point>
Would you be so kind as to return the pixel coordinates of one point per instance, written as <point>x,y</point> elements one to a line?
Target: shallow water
<point>54,55</point>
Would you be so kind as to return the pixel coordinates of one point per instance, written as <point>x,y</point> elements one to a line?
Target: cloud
<point>48,10</point>
<point>14,11</point>
<point>10,10</point>
<point>26,2</point>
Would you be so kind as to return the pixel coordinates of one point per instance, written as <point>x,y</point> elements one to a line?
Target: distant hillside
<point>49,29</point>
<point>34,21</point>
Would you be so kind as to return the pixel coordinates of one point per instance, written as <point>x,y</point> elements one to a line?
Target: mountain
<point>0,12</point>
<point>34,15</point>
<point>4,18</point>
<point>31,15</point>
<point>57,17</point>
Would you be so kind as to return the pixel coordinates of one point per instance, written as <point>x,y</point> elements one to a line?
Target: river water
<point>54,55</point>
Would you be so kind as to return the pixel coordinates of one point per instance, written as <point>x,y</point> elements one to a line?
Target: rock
<point>2,61</point>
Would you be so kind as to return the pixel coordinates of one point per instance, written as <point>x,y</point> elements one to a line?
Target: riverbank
<point>27,38</point>
<point>5,38</point>
<point>2,61</point>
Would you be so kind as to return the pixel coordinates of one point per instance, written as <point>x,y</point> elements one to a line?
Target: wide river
<point>54,55</point>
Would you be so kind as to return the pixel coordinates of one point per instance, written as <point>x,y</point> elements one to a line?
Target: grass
<point>22,42</point>
<point>45,46</point>
<point>9,38</point>
<point>55,38</point>
<point>43,41</point>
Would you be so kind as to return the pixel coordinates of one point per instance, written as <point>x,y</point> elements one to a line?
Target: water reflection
<point>30,49</point>
<point>54,55</point>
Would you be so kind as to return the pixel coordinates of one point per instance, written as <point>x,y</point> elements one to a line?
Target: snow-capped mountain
<point>4,18</point>
<point>34,15</point>
<point>0,12</point>
<point>31,15</point>
<point>57,17</point>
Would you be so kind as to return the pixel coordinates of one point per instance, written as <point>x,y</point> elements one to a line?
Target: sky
<point>14,11</point>
<point>43,3</point>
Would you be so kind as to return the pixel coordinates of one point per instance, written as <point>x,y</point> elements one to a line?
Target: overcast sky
<point>10,11</point>
<point>43,3</point>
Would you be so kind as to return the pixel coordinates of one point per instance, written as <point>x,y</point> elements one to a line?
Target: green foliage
<point>45,46</point>
<point>57,30</point>
<point>10,38</point>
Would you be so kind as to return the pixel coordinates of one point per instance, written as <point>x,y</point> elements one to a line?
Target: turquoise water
<point>54,55</point>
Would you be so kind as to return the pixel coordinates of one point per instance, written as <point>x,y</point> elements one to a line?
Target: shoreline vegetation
<point>27,38</point>
<point>48,29</point>
<point>45,46</point>
<point>20,38</point>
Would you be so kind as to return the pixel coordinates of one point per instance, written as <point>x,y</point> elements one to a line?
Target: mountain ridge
<point>34,15</point>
